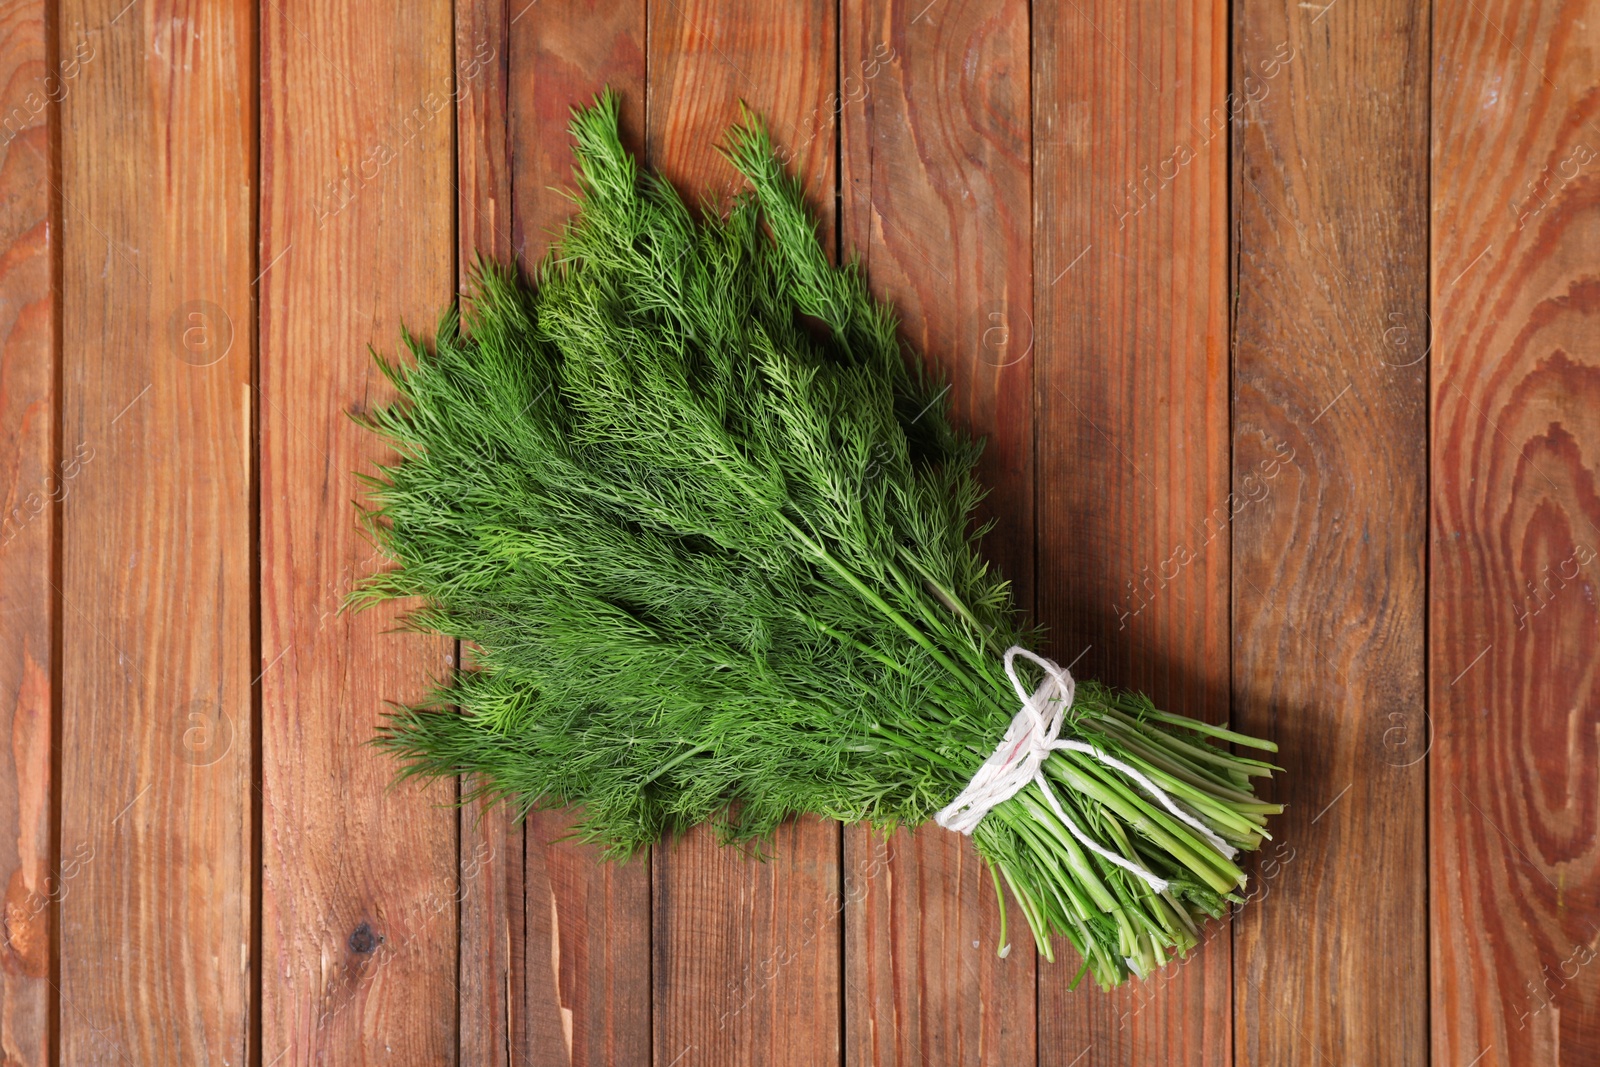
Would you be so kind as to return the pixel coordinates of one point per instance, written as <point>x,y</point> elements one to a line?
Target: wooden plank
<point>1130,276</point>
<point>1516,403</point>
<point>563,53</point>
<point>936,179</point>
<point>156,190</point>
<point>493,1020</point>
<point>587,988</point>
<point>779,57</point>
<point>33,482</point>
<point>359,879</point>
<point>1329,553</point>
<point>746,954</point>
<point>588,950</point>
<point>483,132</point>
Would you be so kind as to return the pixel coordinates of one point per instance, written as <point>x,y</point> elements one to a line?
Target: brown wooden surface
<point>492,1024</point>
<point>1329,575</point>
<point>936,180</point>
<point>156,535</point>
<point>28,512</point>
<point>359,880</point>
<point>1179,261</point>
<point>746,953</point>
<point>1131,272</point>
<point>587,923</point>
<point>563,52</point>
<point>1513,788</point>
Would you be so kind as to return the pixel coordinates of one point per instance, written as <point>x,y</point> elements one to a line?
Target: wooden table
<point>1283,320</point>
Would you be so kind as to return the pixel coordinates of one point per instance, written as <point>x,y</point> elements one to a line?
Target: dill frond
<point>707,534</point>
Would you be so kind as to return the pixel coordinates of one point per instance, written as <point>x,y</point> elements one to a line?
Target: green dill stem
<point>1000,899</point>
<point>878,602</point>
<point>1234,764</point>
<point>948,596</point>
<point>1153,745</point>
<point>673,762</point>
<point>1194,846</point>
<point>1077,859</point>
<point>1206,806</point>
<point>1182,914</point>
<point>1053,871</point>
<point>1222,733</point>
<point>1127,808</point>
<point>1041,933</point>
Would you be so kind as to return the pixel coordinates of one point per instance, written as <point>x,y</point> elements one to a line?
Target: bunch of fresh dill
<point>709,537</point>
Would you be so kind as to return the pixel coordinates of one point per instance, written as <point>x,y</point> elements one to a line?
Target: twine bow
<point>1019,760</point>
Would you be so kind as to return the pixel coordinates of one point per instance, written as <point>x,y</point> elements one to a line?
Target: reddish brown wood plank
<point>779,57</point>
<point>1516,529</point>
<point>936,179</point>
<point>1130,276</point>
<point>156,192</point>
<point>33,482</point>
<point>588,951</point>
<point>563,52</point>
<point>359,880</point>
<point>587,943</point>
<point>493,1019</point>
<point>923,981</point>
<point>746,954</point>
<point>1330,195</point>
<point>483,116</point>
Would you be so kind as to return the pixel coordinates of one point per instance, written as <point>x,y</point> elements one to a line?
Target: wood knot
<point>363,940</point>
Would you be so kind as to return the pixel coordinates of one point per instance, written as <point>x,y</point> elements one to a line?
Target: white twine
<point>1019,759</point>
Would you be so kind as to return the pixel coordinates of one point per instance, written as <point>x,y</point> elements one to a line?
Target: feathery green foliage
<point>708,534</point>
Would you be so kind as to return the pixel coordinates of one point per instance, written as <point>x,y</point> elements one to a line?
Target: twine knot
<point>1018,761</point>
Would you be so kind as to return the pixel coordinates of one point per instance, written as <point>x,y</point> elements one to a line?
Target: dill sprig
<point>707,535</point>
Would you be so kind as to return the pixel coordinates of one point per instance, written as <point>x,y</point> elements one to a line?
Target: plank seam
<point>839,257</point>
<point>455,646</point>
<point>57,269</point>
<point>646,93</point>
<point>254,1015</point>
<point>1228,169</point>
<point>1427,562</point>
<point>1033,433</point>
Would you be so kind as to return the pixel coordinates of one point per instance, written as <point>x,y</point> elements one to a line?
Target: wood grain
<point>563,52</point>
<point>32,484</point>
<point>778,57</point>
<point>1330,200</point>
<point>936,180</point>
<point>359,880</point>
<point>155,778</point>
<point>492,971</point>
<point>483,81</point>
<point>1513,791</point>
<point>588,951</point>
<point>587,987</point>
<point>1130,277</point>
<point>492,1024</point>
<point>746,953</point>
